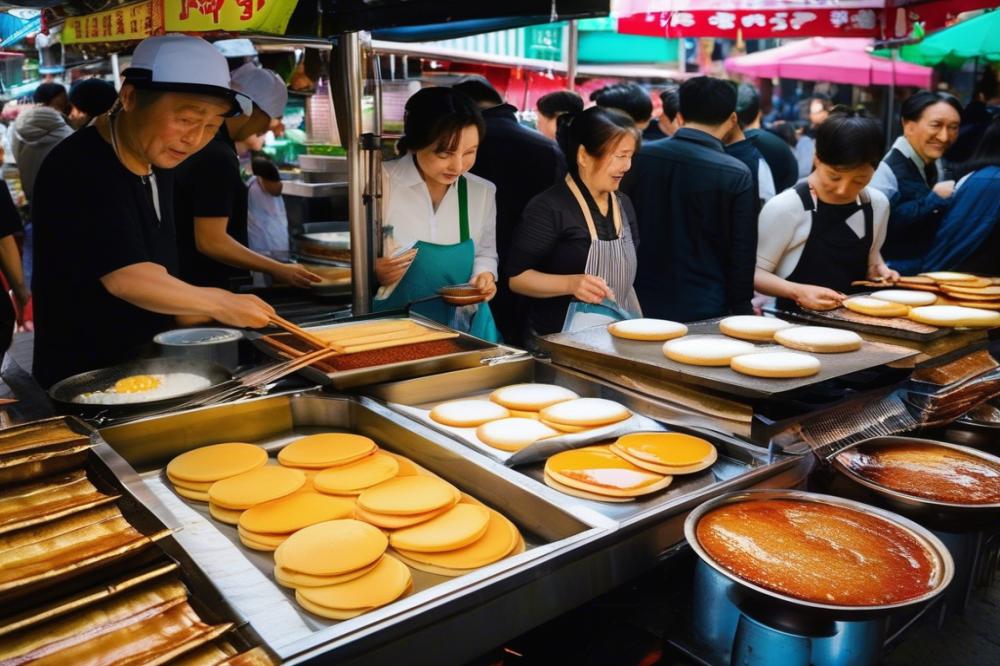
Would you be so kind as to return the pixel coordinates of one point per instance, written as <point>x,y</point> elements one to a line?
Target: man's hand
<point>390,270</point>
<point>813,297</point>
<point>486,285</point>
<point>296,275</point>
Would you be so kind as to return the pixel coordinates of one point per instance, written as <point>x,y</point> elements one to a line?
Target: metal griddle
<point>596,346</point>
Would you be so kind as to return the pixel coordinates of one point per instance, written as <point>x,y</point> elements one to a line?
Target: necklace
<point>149,180</point>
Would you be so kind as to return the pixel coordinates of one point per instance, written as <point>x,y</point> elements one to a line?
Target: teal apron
<point>437,266</point>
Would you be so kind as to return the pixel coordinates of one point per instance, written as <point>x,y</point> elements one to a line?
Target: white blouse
<point>409,211</point>
<point>784,225</point>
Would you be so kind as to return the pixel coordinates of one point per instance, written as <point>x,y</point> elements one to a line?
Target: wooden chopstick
<point>298,332</point>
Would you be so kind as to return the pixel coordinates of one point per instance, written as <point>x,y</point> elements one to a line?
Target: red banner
<point>761,24</point>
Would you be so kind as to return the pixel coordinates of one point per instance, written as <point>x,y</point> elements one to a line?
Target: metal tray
<point>890,327</point>
<point>596,345</point>
<point>524,590</point>
<point>740,464</point>
<point>473,350</point>
<point>112,475</point>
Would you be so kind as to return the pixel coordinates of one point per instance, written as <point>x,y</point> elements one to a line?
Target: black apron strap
<point>805,195</point>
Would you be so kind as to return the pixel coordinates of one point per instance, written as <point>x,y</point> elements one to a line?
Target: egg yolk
<point>137,384</point>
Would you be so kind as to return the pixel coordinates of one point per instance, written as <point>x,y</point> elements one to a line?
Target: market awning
<point>978,37</point>
<point>837,60</point>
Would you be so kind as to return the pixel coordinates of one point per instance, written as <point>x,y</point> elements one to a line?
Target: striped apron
<point>614,261</point>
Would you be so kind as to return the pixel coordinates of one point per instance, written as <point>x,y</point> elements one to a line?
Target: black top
<point>653,132</point>
<point>209,185</point>
<point>91,217</point>
<point>779,157</point>
<point>697,213</point>
<point>745,151</point>
<point>521,163</point>
<point>915,212</point>
<point>10,218</point>
<point>553,237</point>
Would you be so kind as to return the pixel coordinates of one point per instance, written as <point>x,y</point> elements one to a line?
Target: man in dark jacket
<point>697,210</point>
<point>779,157</point>
<point>521,163</point>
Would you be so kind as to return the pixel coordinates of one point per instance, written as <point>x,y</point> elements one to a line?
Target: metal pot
<point>945,516</point>
<point>216,345</point>
<point>62,393</point>
<point>798,615</point>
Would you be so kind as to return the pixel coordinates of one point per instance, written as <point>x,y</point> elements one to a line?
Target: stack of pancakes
<point>635,465</point>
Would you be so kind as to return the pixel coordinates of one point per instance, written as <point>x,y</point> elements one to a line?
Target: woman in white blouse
<point>439,220</point>
<point>817,238</point>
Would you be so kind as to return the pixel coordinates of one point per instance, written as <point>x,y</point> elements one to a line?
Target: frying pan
<point>63,392</point>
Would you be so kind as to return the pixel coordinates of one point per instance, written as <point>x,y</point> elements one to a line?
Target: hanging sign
<point>262,16</point>
<point>755,24</point>
<point>127,23</point>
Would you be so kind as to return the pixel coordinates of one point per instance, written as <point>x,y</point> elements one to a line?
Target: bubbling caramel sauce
<point>927,470</point>
<point>818,552</point>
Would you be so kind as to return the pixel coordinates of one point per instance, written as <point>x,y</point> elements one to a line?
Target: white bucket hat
<point>262,87</point>
<point>180,63</point>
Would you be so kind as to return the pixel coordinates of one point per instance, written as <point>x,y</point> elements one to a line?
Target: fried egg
<point>145,388</point>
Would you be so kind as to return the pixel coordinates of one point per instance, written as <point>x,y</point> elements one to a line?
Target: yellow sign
<point>264,16</point>
<point>122,24</point>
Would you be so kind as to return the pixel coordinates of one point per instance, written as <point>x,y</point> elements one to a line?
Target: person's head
<point>52,95</point>
<point>442,128</point>
<point>848,150</point>
<point>480,91</point>
<point>785,131</point>
<point>262,96</point>
<point>629,98</point>
<point>930,123</point>
<point>90,98</point>
<point>267,175</point>
<point>599,144</point>
<point>173,100</point>
<point>237,52</point>
<point>819,109</point>
<point>987,153</point>
<point>747,106</point>
<point>709,104</point>
<point>670,101</point>
<point>553,105</point>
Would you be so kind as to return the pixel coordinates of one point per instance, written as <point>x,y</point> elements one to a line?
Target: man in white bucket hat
<point>105,245</point>
<point>211,199</point>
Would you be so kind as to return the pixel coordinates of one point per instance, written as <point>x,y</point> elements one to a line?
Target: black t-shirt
<point>779,157</point>
<point>553,237</point>
<point>208,184</point>
<point>91,217</point>
<point>10,219</point>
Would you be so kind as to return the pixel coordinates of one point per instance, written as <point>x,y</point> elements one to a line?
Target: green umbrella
<point>976,38</point>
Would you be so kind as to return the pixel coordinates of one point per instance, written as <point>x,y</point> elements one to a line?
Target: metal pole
<point>891,102</point>
<point>348,62</point>
<point>572,54</point>
<point>116,72</point>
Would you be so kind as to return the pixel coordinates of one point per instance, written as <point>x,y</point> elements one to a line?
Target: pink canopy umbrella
<point>834,59</point>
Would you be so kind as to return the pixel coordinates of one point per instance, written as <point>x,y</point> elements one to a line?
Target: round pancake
<point>905,296</point>
<point>390,522</point>
<point>468,413</point>
<point>672,449</point>
<point>352,478</point>
<point>982,305</point>
<point>456,528</point>
<point>406,466</point>
<point>583,494</point>
<point>819,339</point>
<point>750,327</point>
<point>197,486</point>
<point>780,365</point>
<point>955,315</point>
<point>256,487</point>
<point>331,548</point>
<point>518,414</point>
<point>531,397</point>
<point>666,470</point>
<point>596,469</point>
<point>252,544</point>
<point>563,428</point>
<point>657,330</point>
<point>496,542</point>
<point>706,350</point>
<point>986,293</point>
<point>293,512</point>
<point>950,276</point>
<point>329,613</point>
<point>519,547</point>
<point>192,495</point>
<point>513,434</point>
<point>216,461</point>
<point>224,515</point>
<point>585,412</point>
<point>326,450</point>
<point>407,496</point>
<point>382,585</point>
<point>875,307</point>
<point>272,540</point>
<point>294,579</point>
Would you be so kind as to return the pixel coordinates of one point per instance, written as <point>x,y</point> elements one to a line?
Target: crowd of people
<point>142,220</point>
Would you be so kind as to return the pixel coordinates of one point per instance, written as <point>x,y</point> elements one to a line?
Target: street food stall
<point>420,495</point>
